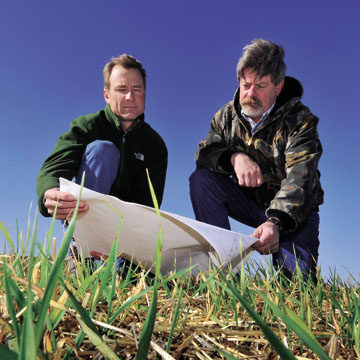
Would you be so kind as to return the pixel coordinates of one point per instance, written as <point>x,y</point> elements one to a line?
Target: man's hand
<point>268,235</point>
<point>246,170</point>
<point>98,256</point>
<point>66,205</point>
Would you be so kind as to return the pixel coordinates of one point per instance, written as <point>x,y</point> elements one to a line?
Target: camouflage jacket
<point>286,147</point>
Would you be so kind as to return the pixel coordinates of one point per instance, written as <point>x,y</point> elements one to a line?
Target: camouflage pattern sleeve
<point>215,150</point>
<point>300,188</point>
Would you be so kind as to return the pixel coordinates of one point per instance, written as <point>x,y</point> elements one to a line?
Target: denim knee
<point>103,148</point>
<point>100,162</point>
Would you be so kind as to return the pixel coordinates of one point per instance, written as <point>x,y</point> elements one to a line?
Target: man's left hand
<point>268,235</point>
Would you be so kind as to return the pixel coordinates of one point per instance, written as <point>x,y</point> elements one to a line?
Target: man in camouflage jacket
<point>259,162</point>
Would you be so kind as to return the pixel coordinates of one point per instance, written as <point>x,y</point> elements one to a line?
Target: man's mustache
<point>251,101</point>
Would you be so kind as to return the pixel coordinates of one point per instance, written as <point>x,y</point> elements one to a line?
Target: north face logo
<point>139,156</point>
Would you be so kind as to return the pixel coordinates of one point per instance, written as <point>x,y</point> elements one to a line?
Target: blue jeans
<point>215,197</point>
<point>101,161</point>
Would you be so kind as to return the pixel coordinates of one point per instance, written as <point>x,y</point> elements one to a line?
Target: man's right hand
<point>66,205</point>
<point>246,170</point>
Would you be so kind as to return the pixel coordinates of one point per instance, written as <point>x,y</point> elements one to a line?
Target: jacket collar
<point>114,118</point>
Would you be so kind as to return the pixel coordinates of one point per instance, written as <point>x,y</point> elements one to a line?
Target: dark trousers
<point>215,197</point>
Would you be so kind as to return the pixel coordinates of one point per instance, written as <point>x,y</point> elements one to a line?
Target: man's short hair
<point>263,57</point>
<point>126,61</point>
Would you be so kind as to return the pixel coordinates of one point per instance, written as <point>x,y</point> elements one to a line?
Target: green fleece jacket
<point>286,147</point>
<point>141,148</point>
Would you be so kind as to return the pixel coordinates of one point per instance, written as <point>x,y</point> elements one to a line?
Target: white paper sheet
<point>186,241</point>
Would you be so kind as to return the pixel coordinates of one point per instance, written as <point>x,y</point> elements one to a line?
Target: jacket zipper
<point>122,155</point>
<point>249,142</point>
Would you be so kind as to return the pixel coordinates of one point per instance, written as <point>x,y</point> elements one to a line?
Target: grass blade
<point>97,340</point>
<point>176,319</point>
<point>128,303</point>
<point>82,312</point>
<point>226,355</point>
<point>148,327</point>
<point>10,304</point>
<point>7,354</point>
<point>293,322</point>
<point>28,345</point>
<point>56,270</point>
<point>105,273</point>
<point>7,236</point>
<point>273,339</point>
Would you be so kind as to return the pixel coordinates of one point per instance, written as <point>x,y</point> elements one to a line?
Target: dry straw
<point>49,313</point>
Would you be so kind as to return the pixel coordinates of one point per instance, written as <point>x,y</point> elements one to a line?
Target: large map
<point>186,242</point>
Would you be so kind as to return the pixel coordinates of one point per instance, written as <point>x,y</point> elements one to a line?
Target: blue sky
<point>52,55</point>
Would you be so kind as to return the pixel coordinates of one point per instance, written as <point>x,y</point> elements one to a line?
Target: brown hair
<point>126,61</point>
<point>265,58</point>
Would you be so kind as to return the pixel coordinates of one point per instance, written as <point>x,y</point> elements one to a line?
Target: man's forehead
<point>252,76</point>
<point>128,80</point>
<point>123,76</point>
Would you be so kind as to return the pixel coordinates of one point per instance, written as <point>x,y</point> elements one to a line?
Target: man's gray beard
<point>251,112</point>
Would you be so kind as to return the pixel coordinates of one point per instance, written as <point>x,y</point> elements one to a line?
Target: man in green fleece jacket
<point>114,147</point>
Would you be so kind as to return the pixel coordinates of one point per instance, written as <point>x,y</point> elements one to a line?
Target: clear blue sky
<point>53,52</point>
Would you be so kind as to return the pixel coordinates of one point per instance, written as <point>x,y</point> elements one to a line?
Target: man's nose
<point>252,91</point>
<point>130,95</point>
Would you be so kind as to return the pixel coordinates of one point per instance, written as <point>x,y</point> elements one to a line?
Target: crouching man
<point>114,147</point>
<point>259,162</point>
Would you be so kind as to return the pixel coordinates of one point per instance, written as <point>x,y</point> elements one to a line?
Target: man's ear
<point>106,96</point>
<point>279,87</point>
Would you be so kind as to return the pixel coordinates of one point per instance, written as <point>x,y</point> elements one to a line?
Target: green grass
<point>211,316</point>
<point>47,313</point>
